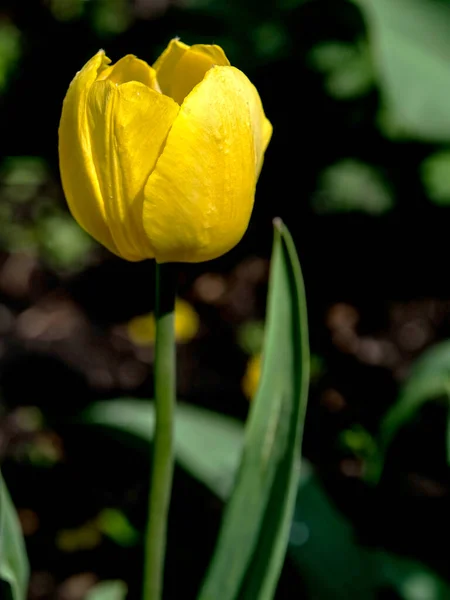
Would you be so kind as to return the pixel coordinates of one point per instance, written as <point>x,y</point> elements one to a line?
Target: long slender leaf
<point>255,530</point>
<point>207,444</point>
<point>13,558</point>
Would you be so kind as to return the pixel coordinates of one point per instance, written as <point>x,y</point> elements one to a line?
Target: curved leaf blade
<point>207,444</point>
<point>255,530</point>
<point>14,568</point>
<point>429,380</point>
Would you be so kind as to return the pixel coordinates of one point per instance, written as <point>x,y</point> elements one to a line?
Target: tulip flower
<point>162,162</point>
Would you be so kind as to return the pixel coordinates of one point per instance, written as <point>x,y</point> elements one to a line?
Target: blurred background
<point>359,169</point>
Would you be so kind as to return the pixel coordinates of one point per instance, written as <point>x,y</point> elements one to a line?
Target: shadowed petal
<point>78,173</point>
<point>129,124</point>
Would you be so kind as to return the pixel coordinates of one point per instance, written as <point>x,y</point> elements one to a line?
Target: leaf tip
<point>278,224</point>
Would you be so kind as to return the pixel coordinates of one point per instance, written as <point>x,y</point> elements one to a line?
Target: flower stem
<point>163,445</point>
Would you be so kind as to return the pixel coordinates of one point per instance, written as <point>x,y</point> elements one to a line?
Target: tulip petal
<point>167,62</point>
<point>129,124</point>
<point>130,68</point>
<point>78,173</point>
<point>199,198</point>
<point>180,67</point>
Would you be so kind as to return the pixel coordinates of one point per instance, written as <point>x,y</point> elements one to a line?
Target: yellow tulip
<point>250,381</point>
<point>162,162</point>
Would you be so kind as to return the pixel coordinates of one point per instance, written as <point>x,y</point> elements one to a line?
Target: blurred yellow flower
<point>162,162</point>
<point>142,329</point>
<point>85,537</point>
<point>251,377</point>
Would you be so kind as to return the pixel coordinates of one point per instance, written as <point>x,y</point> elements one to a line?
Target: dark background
<point>362,183</point>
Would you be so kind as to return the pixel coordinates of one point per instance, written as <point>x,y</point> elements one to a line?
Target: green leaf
<point>13,557</point>
<point>352,186</point>
<point>335,566</point>
<point>409,578</point>
<point>411,45</point>
<point>435,171</point>
<point>429,380</point>
<point>108,590</point>
<point>255,530</point>
<point>10,51</point>
<point>347,68</point>
<point>115,525</point>
<point>324,548</point>
<point>207,444</point>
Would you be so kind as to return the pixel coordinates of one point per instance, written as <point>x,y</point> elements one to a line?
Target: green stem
<point>163,445</point>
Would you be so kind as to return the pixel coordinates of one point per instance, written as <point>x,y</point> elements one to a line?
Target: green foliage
<point>60,240</point>
<point>45,229</point>
<point>251,337</point>
<point>352,186</point>
<point>207,444</point>
<point>111,18</point>
<point>411,47</point>
<point>10,51</point>
<point>335,566</point>
<point>347,68</point>
<point>324,547</point>
<point>435,171</point>
<point>66,10</point>
<point>13,558</point>
<point>255,529</point>
<point>108,590</point>
<point>115,525</point>
<point>210,445</point>
<point>429,380</point>
<point>270,40</point>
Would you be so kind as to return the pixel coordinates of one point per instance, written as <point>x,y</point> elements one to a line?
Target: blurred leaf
<point>21,176</point>
<point>66,10</point>
<point>108,590</point>
<point>10,48</point>
<point>335,566</point>
<point>111,18</point>
<point>363,445</point>
<point>429,380</point>
<point>347,68</point>
<point>13,556</point>
<point>115,525</point>
<point>250,336</point>
<point>324,548</point>
<point>411,45</point>
<point>270,40</point>
<point>317,368</point>
<point>61,241</point>
<point>435,172</point>
<point>409,578</point>
<point>350,186</point>
<point>252,542</point>
<point>207,444</point>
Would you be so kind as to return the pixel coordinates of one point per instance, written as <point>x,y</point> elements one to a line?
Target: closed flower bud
<point>162,162</point>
